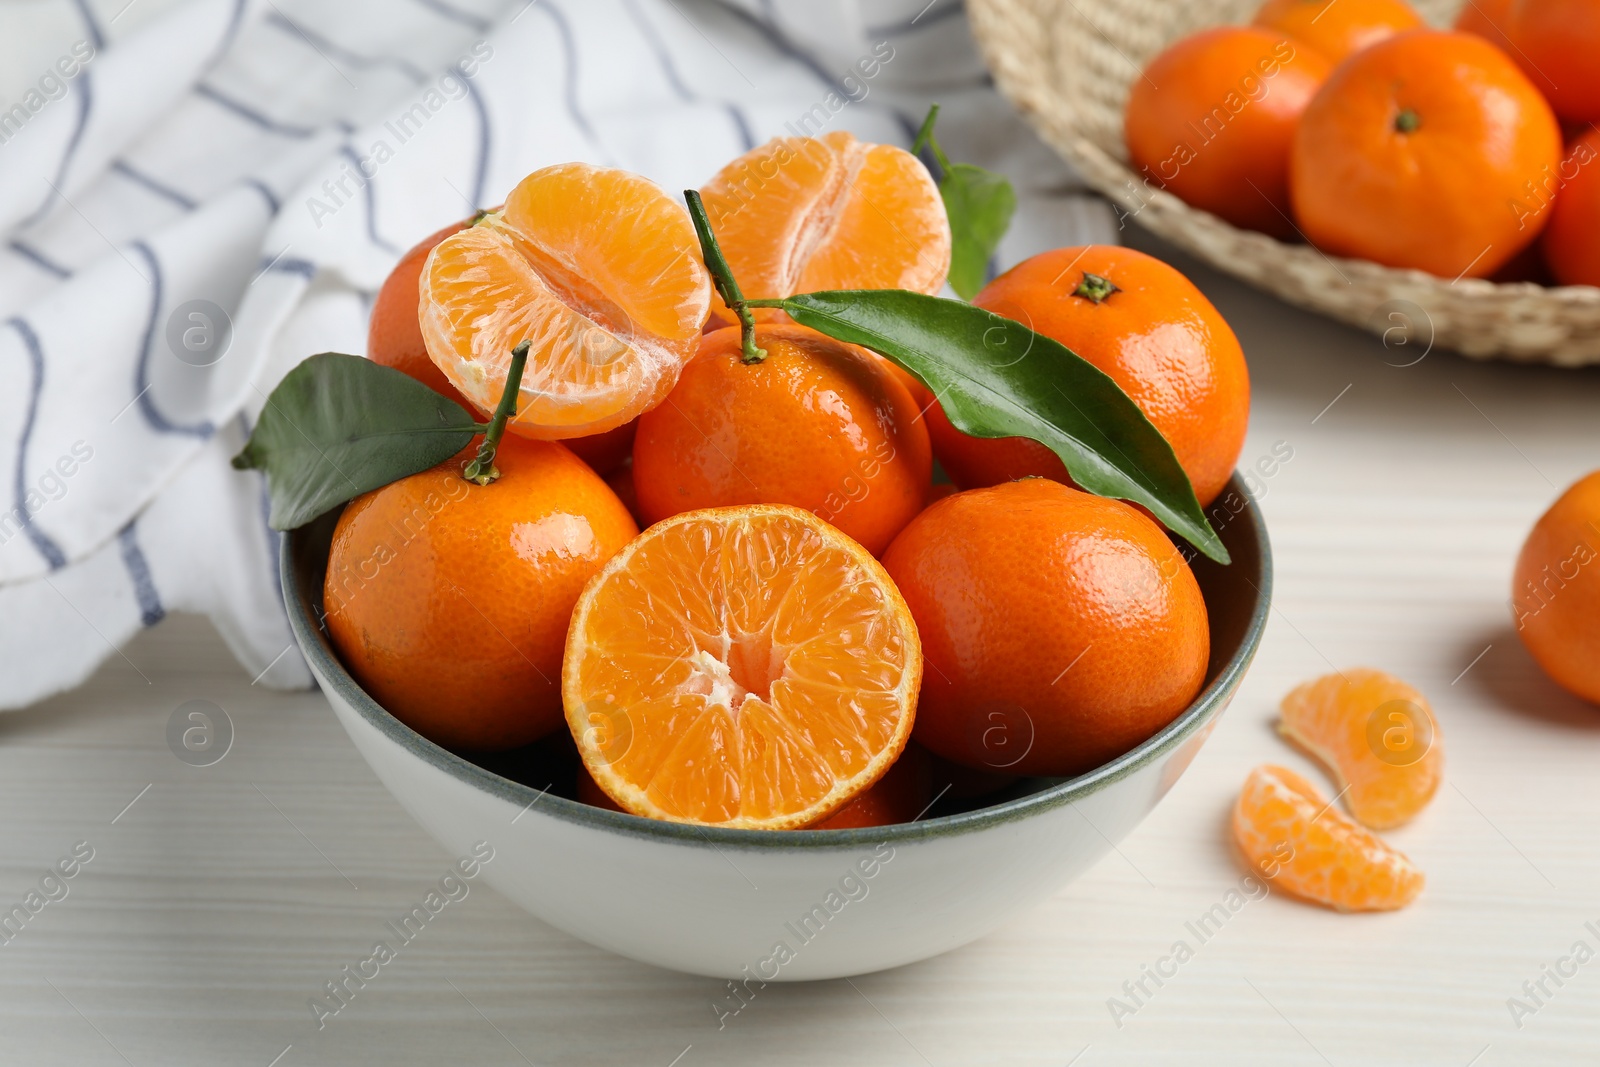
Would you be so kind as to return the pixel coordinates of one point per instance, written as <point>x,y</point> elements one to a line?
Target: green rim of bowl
<point>1207,705</point>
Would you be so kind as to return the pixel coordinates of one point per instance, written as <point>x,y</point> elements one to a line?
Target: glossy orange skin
<point>449,601</point>
<point>818,425</point>
<point>1555,592</point>
<point>1441,198</point>
<point>1059,629</point>
<point>394,336</point>
<point>1338,28</point>
<point>1557,44</point>
<point>1486,19</point>
<point>394,339</point>
<point>1571,242</point>
<point>1158,338</point>
<point>1212,119</point>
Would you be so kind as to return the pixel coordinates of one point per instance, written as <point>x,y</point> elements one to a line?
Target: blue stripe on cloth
<point>91,24</point>
<point>39,259</point>
<point>370,194</point>
<point>675,77</point>
<point>328,48</point>
<point>303,267</point>
<point>85,103</point>
<point>153,185</point>
<point>266,192</point>
<point>138,568</point>
<point>741,125</point>
<point>570,46</point>
<point>455,14</point>
<point>141,373</point>
<point>235,20</point>
<point>250,114</point>
<point>47,548</point>
<point>485,141</point>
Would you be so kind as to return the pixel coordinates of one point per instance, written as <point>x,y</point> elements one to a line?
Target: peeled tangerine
<point>1302,843</point>
<point>747,667</point>
<point>1376,735</point>
<point>803,214</point>
<point>599,269</point>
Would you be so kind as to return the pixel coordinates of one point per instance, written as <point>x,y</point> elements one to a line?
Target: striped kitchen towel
<point>196,194</point>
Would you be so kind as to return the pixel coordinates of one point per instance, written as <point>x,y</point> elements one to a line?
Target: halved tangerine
<point>1301,843</point>
<point>599,270</point>
<point>1376,735</point>
<point>803,214</point>
<point>748,667</point>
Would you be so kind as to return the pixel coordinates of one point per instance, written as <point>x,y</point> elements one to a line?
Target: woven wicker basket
<point>1067,66</point>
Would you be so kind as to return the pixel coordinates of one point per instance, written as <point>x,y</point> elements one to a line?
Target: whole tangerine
<point>1143,323</point>
<point>1059,630</point>
<point>394,339</point>
<point>1338,28</point>
<point>1486,19</point>
<point>449,601</point>
<point>1571,242</point>
<point>1212,118</point>
<point>1556,43</point>
<point>817,424</point>
<point>1421,152</point>
<point>1555,592</point>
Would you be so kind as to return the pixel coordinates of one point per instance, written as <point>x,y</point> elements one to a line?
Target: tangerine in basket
<point>803,214</point>
<point>599,269</point>
<point>1301,843</point>
<point>1557,42</point>
<point>449,601</point>
<point>394,339</point>
<point>1555,592</point>
<point>1212,117</point>
<point>1338,28</point>
<point>1060,629</point>
<point>1419,152</point>
<point>1144,324</point>
<point>746,667</point>
<point>1486,19</point>
<point>817,424</point>
<point>1571,242</point>
<point>1376,735</point>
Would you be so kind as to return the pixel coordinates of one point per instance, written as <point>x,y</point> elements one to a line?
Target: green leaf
<point>338,426</point>
<point>979,204</point>
<point>996,378</point>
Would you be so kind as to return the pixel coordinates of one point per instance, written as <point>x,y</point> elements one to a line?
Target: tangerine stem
<point>722,277</point>
<point>925,137</point>
<point>482,469</point>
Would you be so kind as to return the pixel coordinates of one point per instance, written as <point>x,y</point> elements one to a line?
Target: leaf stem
<point>482,469</point>
<point>722,277</point>
<point>925,137</point>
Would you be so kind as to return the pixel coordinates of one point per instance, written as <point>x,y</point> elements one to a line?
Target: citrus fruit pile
<point>1352,125</point>
<point>1379,741</point>
<point>698,533</point>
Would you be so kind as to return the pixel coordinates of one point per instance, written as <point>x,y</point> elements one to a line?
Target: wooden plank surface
<point>226,896</point>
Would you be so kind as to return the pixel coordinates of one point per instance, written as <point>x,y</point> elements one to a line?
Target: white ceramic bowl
<point>784,906</point>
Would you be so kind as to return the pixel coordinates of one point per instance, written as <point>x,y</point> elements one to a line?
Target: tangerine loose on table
<point>449,601</point>
<point>1212,117</point>
<point>1060,629</point>
<point>1419,152</point>
<point>1301,843</point>
<point>745,667</point>
<point>1376,735</point>
<point>599,269</point>
<point>1144,324</point>
<point>1338,28</point>
<point>803,214</point>
<point>1555,592</point>
<point>1571,242</point>
<point>817,424</point>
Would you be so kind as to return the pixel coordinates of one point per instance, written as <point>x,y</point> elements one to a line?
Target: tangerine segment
<point>1376,735</point>
<point>599,270</point>
<point>802,214</point>
<point>1305,846</point>
<point>748,667</point>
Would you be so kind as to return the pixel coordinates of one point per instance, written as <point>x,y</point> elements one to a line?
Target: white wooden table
<point>226,896</point>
